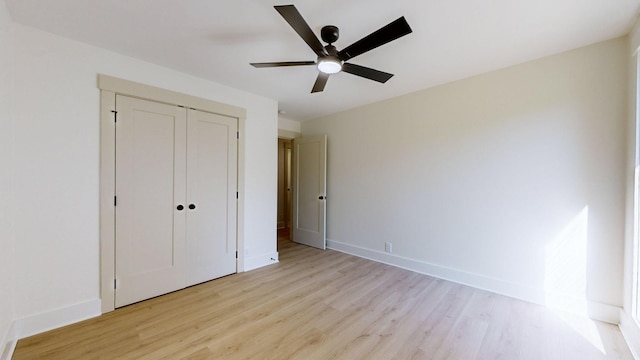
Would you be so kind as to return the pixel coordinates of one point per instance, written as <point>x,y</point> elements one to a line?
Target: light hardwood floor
<point>327,305</point>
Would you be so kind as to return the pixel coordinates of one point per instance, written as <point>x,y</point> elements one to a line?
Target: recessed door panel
<point>309,200</point>
<point>309,187</point>
<point>150,183</point>
<point>211,191</point>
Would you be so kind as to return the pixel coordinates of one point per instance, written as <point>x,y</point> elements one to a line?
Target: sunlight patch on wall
<point>565,280</point>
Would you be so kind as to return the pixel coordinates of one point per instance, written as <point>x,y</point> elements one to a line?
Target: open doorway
<point>285,193</point>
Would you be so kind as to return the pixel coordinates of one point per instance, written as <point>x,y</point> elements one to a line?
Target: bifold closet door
<point>150,188</point>
<point>211,196</point>
<point>176,176</point>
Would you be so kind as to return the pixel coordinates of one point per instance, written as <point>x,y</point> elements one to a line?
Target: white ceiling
<point>216,40</point>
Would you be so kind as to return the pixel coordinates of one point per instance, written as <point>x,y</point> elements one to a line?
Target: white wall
<point>629,327</point>
<point>511,181</point>
<point>6,205</point>
<point>288,124</point>
<point>56,128</point>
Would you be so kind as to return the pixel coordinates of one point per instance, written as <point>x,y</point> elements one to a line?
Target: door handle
<point>180,207</point>
<point>321,197</point>
<point>192,206</point>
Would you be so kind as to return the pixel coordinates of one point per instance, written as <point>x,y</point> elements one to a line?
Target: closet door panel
<point>211,190</point>
<point>150,183</point>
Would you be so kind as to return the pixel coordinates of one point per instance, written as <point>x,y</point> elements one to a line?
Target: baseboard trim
<point>631,333</point>
<point>255,262</point>
<point>9,343</point>
<point>594,310</point>
<point>39,323</point>
<point>603,312</point>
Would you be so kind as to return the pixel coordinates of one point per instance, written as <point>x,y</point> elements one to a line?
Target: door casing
<point>110,86</point>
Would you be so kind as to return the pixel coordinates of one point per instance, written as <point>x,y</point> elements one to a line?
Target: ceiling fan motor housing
<point>330,34</point>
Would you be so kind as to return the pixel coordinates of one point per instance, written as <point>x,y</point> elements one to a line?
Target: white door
<point>309,198</point>
<point>176,172</point>
<point>211,196</point>
<point>150,184</point>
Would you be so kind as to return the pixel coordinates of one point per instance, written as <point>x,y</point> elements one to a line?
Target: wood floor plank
<point>317,304</point>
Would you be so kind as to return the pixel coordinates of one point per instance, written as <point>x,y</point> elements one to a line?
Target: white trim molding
<point>8,344</point>
<point>603,312</point>
<point>593,310</point>
<point>631,331</point>
<point>287,134</point>
<point>109,87</point>
<point>39,323</point>
<point>258,261</point>
<point>134,89</point>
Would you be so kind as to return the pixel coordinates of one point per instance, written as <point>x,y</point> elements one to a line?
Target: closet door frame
<point>110,87</point>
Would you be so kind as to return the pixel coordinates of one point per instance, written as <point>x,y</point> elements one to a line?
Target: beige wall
<point>511,181</point>
<point>7,297</point>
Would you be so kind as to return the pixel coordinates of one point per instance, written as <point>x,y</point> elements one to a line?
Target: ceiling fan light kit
<point>329,65</point>
<point>330,60</point>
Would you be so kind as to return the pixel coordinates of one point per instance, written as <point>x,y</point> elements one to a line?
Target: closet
<point>175,198</point>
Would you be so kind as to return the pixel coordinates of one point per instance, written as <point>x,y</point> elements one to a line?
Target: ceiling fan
<point>330,60</point>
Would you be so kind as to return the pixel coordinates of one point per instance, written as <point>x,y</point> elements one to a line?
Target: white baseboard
<point>39,323</point>
<point>254,262</point>
<point>604,312</point>
<point>596,311</point>
<point>8,344</point>
<point>631,332</point>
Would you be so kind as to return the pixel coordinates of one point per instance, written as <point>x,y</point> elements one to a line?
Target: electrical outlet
<point>388,247</point>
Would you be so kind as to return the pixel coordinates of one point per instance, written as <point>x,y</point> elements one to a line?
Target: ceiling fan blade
<point>365,72</point>
<point>284,63</point>
<point>387,33</point>
<point>321,81</point>
<point>297,22</point>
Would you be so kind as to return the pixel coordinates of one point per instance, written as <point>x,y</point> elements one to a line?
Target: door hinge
<point>115,201</point>
<point>115,115</point>
<point>237,134</point>
<point>237,196</point>
<point>115,284</point>
<point>236,254</point>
